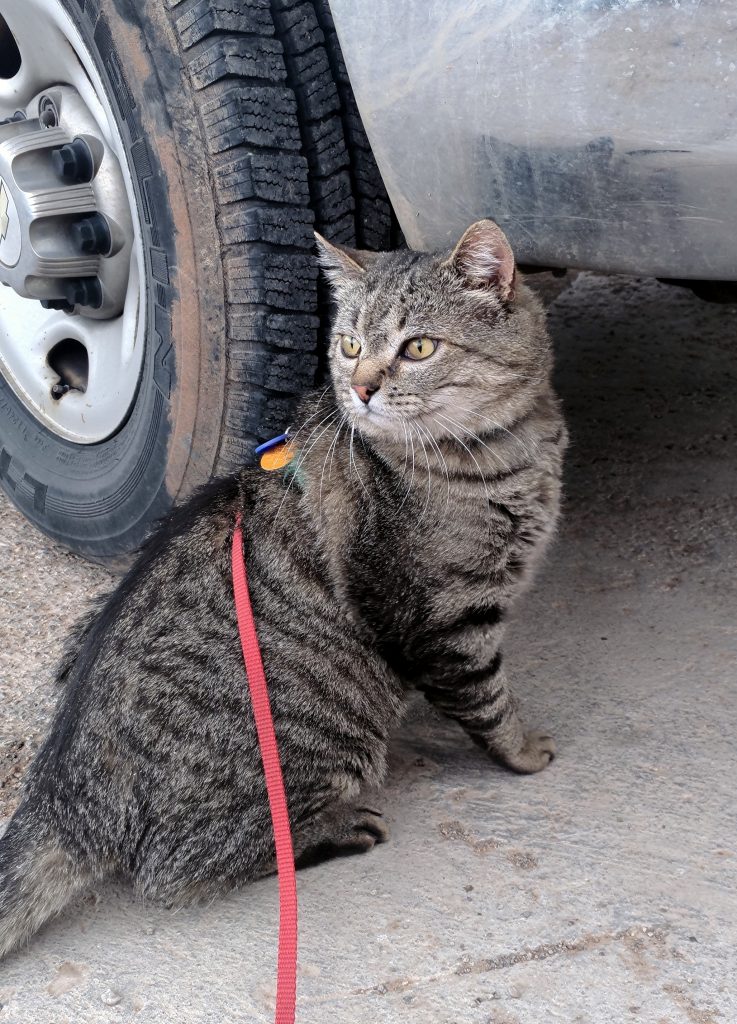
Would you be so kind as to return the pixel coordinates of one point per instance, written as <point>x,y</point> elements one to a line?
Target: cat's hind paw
<point>366,831</point>
<point>345,831</point>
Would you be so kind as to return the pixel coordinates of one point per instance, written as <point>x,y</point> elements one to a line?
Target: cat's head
<point>441,339</point>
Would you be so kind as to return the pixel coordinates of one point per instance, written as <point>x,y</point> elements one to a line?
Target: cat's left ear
<point>341,263</point>
<point>484,258</point>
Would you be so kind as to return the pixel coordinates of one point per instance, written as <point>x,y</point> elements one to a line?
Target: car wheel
<point>162,166</point>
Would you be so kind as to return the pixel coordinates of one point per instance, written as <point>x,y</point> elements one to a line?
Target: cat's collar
<point>268,445</point>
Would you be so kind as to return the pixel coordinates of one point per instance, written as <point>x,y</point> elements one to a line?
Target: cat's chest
<point>403,559</point>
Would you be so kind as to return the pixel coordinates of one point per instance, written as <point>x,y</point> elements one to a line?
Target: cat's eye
<point>349,346</point>
<point>419,348</point>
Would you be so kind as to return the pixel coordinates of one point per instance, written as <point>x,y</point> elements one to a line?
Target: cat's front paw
<point>536,753</point>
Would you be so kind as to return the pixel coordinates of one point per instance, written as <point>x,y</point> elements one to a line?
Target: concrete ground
<point>602,890</point>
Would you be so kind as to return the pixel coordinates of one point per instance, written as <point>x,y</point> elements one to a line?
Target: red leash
<point>286,972</point>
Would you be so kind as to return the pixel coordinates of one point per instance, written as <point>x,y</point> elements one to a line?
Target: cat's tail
<point>38,877</point>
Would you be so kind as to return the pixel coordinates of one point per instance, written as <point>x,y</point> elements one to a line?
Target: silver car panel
<point>599,133</point>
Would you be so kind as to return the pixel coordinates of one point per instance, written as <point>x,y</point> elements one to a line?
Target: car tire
<point>242,135</point>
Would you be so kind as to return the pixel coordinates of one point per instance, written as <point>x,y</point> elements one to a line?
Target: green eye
<point>420,348</point>
<point>349,346</point>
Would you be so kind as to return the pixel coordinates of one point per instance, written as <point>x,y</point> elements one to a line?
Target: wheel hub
<point>72,313</point>
<point>65,230</point>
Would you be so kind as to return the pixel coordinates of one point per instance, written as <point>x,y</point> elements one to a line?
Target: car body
<point>600,134</point>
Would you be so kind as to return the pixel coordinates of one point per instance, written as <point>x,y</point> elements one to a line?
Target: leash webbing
<point>286,972</point>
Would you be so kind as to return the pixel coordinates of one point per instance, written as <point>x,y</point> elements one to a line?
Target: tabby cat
<point>384,557</point>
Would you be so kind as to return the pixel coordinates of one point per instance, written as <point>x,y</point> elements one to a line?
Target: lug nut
<point>81,291</point>
<point>73,162</point>
<point>92,234</point>
<point>85,291</point>
<point>56,304</point>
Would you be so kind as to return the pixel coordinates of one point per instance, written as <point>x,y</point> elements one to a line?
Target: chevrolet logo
<point>4,218</point>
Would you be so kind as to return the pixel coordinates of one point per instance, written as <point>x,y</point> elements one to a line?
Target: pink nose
<point>364,392</point>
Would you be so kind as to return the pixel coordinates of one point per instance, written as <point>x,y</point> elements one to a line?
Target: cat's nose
<point>364,392</point>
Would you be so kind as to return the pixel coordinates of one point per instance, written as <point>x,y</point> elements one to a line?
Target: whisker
<point>412,476</point>
<point>476,438</point>
<point>309,419</point>
<point>330,453</point>
<point>406,447</point>
<point>497,426</point>
<point>304,454</point>
<point>342,424</point>
<point>443,463</point>
<point>429,475</point>
<point>352,462</point>
<point>476,461</point>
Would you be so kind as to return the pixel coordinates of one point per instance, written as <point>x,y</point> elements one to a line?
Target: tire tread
<point>288,154</point>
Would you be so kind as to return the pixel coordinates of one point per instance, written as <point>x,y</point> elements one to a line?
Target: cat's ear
<point>484,258</point>
<point>340,263</point>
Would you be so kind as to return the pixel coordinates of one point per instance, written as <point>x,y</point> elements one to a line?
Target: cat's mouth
<point>373,417</point>
<point>371,407</point>
<point>366,413</point>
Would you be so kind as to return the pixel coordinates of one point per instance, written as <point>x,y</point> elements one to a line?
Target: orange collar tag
<point>278,457</point>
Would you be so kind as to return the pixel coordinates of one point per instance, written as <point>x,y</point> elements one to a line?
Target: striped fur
<point>389,561</point>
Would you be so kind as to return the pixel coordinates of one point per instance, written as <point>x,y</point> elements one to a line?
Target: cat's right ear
<point>340,263</point>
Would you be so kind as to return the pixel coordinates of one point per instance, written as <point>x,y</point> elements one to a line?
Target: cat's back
<point>130,654</point>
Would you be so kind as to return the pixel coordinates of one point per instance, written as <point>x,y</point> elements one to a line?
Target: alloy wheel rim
<point>69,233</point>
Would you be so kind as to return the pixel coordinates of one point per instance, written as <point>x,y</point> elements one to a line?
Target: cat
<point>384,557</point>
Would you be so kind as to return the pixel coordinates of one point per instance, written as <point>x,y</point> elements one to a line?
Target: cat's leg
<point>481,701</point>
<point>337,831</point>
<point>186,865</point>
